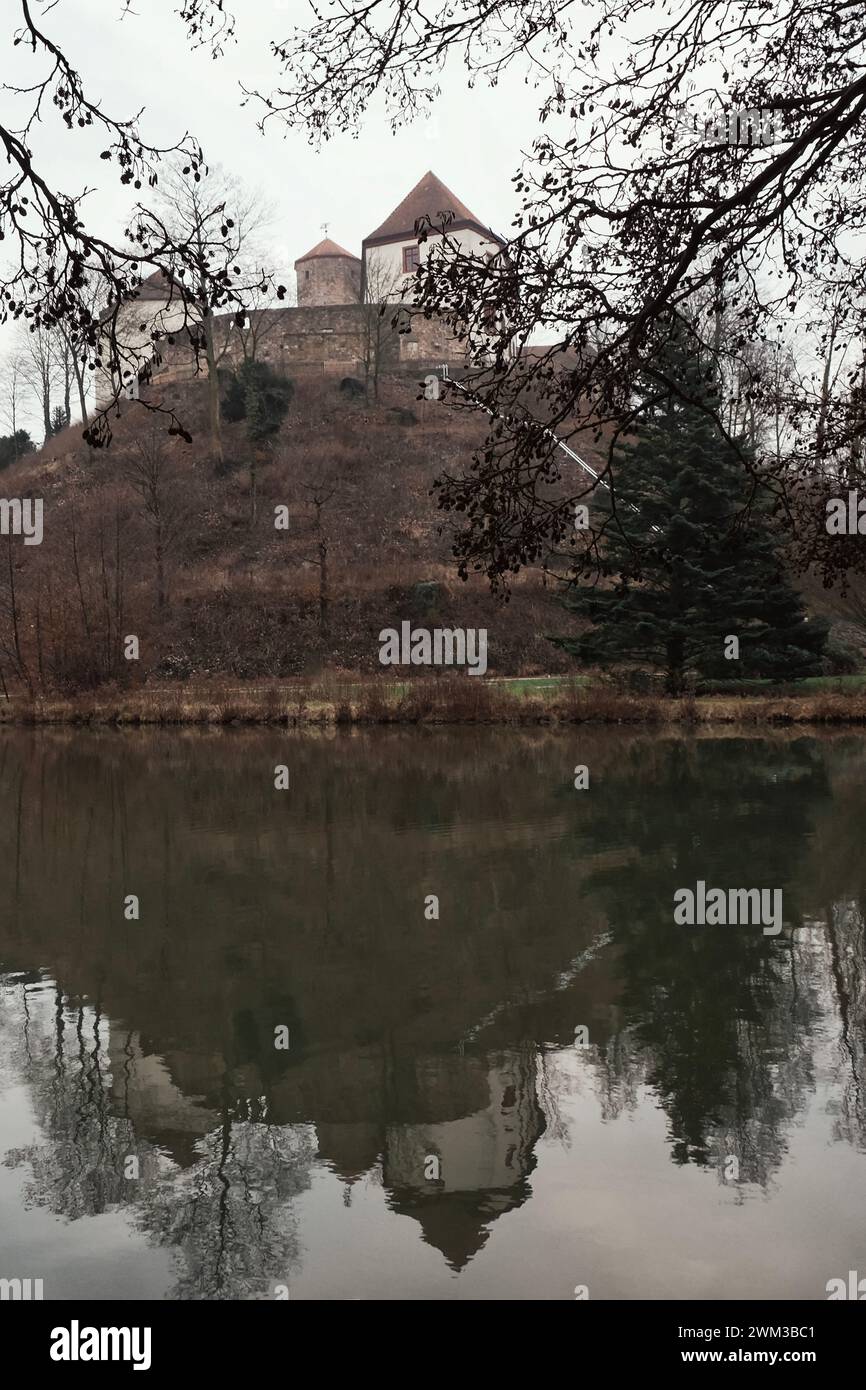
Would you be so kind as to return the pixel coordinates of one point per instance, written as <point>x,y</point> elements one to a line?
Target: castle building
<point>328,331</point>
<point>392,253</point>
<point>328,275</point>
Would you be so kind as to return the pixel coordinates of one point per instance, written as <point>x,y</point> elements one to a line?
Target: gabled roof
<point>429,198</point>
<point>326,248</point>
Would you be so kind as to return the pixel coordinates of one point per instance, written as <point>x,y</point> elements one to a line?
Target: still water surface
<point>433,1130</point>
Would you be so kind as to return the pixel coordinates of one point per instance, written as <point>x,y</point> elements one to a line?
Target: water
<point>434,1129</point>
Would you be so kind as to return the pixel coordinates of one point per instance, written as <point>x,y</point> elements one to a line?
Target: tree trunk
<point>213,387</point>
<point>323,586</point>
<point>16,632</point>
<point>77,568</point>
<point>46,408</point>
<point>82,394</point>
<point>821,428</point>
<point>108,653</point>
<point>675,679</point>
<point>118,578</point>
<point>39,659</point>
<point>161,596</point>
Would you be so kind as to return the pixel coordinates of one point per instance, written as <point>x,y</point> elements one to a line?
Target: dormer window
<point>411,259</point>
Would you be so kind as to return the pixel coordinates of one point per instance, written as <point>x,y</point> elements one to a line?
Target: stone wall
<point>429,342</point>
<point>325,338</point>
<point>321,340</point>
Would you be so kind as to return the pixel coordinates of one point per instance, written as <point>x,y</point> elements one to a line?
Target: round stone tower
<point>328,275</point>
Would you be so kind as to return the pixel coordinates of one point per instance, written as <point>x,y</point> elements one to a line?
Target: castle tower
<point>328,275</point>
<point>158,308</point>
<point>391,253</point>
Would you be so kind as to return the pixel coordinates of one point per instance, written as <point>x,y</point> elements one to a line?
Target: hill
<point>149,538</point>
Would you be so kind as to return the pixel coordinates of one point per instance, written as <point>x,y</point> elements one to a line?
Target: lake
<point>421,1023</point>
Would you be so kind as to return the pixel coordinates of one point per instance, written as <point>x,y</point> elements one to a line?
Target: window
<point>411,258</point>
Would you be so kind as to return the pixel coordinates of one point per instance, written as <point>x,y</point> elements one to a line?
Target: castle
<point>328,331</point>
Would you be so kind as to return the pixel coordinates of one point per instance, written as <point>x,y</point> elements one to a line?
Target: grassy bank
<point>447,700</point>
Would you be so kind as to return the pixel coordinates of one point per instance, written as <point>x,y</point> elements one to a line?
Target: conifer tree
<point>260,396</point>
<point>688,565</point>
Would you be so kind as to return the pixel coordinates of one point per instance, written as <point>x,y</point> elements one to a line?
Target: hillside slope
<point>240,596</point>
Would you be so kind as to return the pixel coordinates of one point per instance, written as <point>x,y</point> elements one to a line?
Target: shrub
<point>260,396</point>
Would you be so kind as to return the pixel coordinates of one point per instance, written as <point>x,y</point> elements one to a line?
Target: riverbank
<point>457,700</point>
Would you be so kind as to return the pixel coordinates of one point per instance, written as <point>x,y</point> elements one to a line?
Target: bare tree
<point>12,386</point>
<point>153,478</point>
<point>632,204</point>
<point>11,644</point>
<point>57,258</point>
<point>42,368</point>
<point>380,293</point>
<point>74,370</point>
<point>322,490</point>
<point>217,219</point>
<point>77,355</point>
<point>56,254</point>
<point>246,332</point>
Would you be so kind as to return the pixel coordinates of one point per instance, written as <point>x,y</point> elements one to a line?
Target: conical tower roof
<point>326,248</point>
<point>429,198</point>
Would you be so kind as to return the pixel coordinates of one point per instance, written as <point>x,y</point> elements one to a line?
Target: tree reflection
<point>846,939</point>
<point>230,1217</point>
<point>722,1018</point>
<point>227,1215</point>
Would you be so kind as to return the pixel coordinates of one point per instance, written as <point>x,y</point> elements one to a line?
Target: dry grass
<point>446,700</point>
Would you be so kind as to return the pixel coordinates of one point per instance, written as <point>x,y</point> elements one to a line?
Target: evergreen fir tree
<point>703,574</point>
<point>15,446</point>
<point>260,396</point>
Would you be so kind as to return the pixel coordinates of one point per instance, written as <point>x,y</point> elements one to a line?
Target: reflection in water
<point>431,1063</point>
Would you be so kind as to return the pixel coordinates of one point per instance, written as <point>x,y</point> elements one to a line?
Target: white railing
<point>560,444</point>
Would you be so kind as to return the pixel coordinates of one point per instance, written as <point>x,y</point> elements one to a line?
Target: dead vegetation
<point>441,700</point>
<point>151,538</point>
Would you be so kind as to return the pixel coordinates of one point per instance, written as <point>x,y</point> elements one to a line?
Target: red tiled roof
<point>429,198</point>
<point>326,248</point>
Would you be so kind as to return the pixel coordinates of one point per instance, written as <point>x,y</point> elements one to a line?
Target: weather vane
<point>325,226</point>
